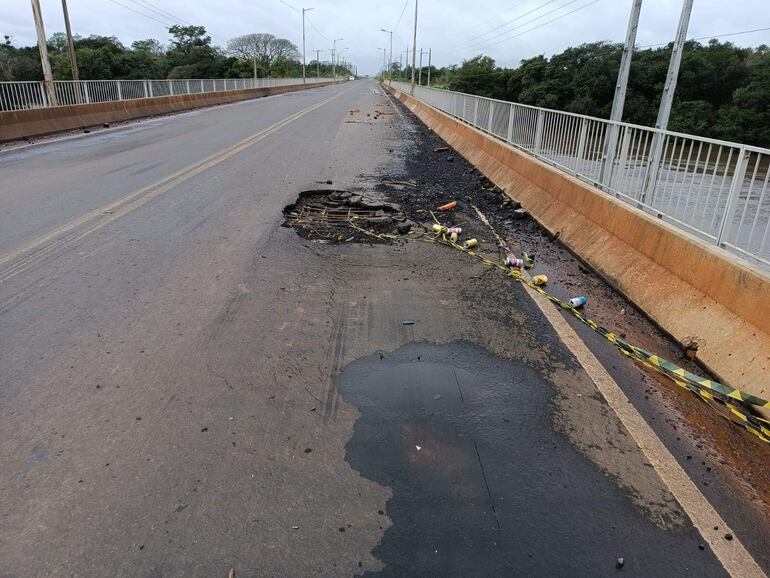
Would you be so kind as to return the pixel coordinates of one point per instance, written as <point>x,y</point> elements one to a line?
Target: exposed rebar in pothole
<point>326,216</point>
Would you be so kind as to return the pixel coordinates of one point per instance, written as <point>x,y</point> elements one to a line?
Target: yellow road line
<point>38,249</point>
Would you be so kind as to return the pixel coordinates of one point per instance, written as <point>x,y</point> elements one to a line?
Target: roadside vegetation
<point>723,90</point>
<point>188,54</point>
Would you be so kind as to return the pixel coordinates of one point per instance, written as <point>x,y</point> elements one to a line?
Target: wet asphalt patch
<point>482,484</point>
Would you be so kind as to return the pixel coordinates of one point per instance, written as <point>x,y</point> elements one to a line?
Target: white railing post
<point>120,89</point>
<point>491,116</point>
<point>43,97</point>
<point>581,150</point>
<point>171,87</point>
<point>187,82</point>
<point>86,92</point>
<point>741,164</point>
<point>475,111</point>
<point>510,123</point>
<point>539,131</point>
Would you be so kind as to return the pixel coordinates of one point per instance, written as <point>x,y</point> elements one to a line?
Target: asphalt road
<point>189,387</point>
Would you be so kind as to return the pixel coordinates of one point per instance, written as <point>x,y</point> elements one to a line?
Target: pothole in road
<point>343,216</point>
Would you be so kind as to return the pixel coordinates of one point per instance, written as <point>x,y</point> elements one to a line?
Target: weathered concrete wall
<point>19,124</point>
<point>691,290</point>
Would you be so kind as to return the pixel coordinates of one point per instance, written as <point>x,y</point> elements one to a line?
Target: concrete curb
<point>19,124</point>
<point>692,291</point>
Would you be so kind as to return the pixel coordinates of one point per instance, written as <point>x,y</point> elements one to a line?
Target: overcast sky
<point>507,30</point>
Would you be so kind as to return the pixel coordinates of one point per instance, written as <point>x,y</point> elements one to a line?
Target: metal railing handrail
<point>617,123</point>
<point>716,190</point>
<point>29,94</point>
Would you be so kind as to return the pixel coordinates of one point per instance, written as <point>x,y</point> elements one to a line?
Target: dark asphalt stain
<point>482,485</point>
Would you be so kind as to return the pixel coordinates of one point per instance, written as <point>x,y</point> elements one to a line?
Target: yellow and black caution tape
<point>714,393</point>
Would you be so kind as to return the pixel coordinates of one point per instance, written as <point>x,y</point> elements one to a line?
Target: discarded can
<point>439,229</point>
<point>577,302</point>
<point>540,280</point>
<point>512,261</point>
<point>448,206</point>
<point>453,237</point>
<point>455,230</point>
<point>470,243</point>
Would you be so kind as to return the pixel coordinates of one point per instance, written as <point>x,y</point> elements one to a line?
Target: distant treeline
<point>189,54</point>
<point>723,90</point>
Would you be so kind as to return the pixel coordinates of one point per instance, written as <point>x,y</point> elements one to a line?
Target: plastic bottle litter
<point>448,206</point>
<point>577,302</point>
<point>470,243</point>
<point>540,280</point>
<point>457,230</point>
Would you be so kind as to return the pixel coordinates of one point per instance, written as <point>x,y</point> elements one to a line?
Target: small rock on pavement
<point>620,563</point>
<point>404,228</point>
<point>520,214</point>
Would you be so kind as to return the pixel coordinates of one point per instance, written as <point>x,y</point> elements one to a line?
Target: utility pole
<point>318,63</point>
<point>667,101</point>
<point>304,78</point>
<point>621,88</point>
<point>70,43</point>
<point>414,43</point>
<point>334,58</point>
<point>43,47</point>
<point>420,76</point>
<point>430,58</point>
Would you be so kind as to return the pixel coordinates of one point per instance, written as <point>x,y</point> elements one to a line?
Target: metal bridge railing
<point>33,94</point>
<point>715,190</point>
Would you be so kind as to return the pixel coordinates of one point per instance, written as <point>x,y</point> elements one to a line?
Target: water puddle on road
<point>482,485</point>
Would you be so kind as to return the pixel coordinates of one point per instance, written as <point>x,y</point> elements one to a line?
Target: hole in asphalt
<point>330,216</point>
<point>482,484</point>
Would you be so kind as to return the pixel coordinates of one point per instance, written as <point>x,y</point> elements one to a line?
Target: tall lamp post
<point>304,79</point>
<point>334,57</point>
<point>390,60</point>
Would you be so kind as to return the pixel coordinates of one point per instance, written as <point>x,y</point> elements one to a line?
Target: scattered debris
<point>576,302</point>
<point>470,243</point>
<point>440,149</point>
<point>620,563</point>
<point>691,349</point>
<point>418,448</point>
<point>520,214</point>
<point>540,280</point>
<point>448,207</point>
<point>408,322</point>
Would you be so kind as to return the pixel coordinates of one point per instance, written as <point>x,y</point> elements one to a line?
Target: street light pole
<point>390,60</point>
<point>43,48</point>
<point>667,101</point>
<point>304,79</point>
<point>621,89</point>
<point>70,43</point>
<point>334,58</point>
<point>414,43</point>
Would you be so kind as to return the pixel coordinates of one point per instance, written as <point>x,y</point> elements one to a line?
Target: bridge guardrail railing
<point>718,191</point>
<point>24,95</point>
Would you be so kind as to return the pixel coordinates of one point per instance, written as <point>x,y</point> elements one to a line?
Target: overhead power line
<point>494,18</point>
<point>504,24</point>
<point>289,6</point>
<point>402,15</point>
<point>160,11</point>
<point>321,34</point>
<point>709,37</point>
<point>543,24</point>
<point>523,24</point>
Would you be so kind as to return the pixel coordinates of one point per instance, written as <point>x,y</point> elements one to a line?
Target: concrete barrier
<point>18,124</point>
<point>692,291</point>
